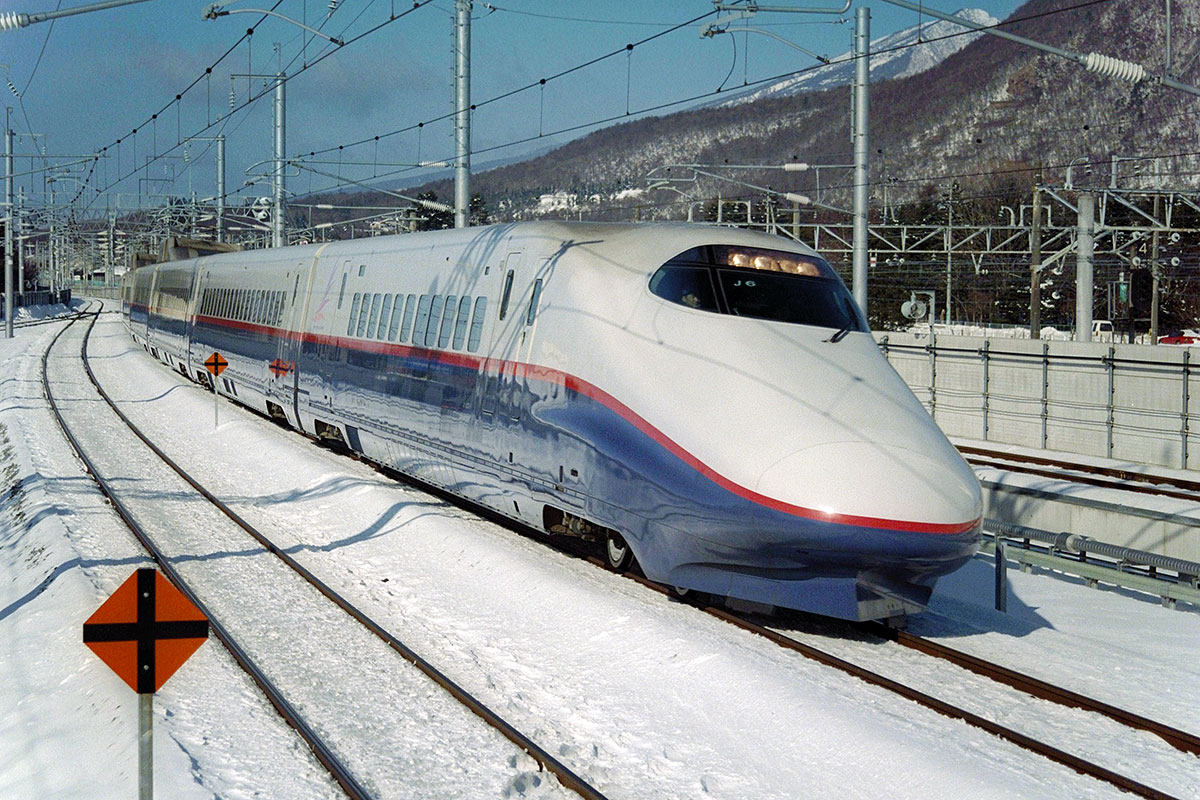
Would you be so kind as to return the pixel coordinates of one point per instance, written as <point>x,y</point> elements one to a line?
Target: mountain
<point>899,55</point>
<point>986,117</point>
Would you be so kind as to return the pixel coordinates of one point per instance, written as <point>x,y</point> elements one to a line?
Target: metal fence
<point>1131,402</point>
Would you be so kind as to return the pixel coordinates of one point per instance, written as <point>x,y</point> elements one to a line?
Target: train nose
<point>878,482</point>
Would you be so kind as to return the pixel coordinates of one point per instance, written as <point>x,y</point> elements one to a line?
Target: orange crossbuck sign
<point>216,364</point>
<point>145,630</point>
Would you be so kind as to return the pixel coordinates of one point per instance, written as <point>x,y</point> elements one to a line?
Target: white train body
<point>709,394</point>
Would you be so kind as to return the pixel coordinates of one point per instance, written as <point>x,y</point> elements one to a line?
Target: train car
<point>704,400</point>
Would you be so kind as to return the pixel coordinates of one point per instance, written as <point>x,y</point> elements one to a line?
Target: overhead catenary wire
<point>653,108</point>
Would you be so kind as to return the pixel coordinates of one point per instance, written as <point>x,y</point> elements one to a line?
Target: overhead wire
<point>251,100</point>
<point>846,58</point>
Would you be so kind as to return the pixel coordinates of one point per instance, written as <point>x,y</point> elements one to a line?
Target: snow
<point>641,696</point>
<point>898,55</point>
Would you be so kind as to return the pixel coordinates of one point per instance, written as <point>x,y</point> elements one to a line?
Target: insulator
<point>11,21</point>
<point>1114,67</point>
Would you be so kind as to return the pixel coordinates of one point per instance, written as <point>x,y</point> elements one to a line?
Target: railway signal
<point>215,364</point>
<point>144,632</point>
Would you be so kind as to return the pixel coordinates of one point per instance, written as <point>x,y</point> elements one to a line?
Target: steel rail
<point>1181,740</point>
<point>547,761</point>
<point>1080,765</point>
<point>1128,480</point>
<point>324,754</point>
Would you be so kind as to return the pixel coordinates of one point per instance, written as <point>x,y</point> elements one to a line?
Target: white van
<point>1102,331</point>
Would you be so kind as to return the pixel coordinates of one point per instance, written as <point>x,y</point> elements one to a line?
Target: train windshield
<point>760,283</point>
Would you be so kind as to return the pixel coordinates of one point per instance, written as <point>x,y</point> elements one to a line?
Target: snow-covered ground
<point>641,696</point>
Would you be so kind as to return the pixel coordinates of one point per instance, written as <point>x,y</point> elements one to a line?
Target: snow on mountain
<point>898,55</point>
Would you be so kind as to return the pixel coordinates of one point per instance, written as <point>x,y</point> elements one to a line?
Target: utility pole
<point>1084,261</point>
<point>278,235</point>
<point>949,249</point>
<point>462,114</point>
<point>1035,267</point>
<point>221,188</point>
<point>1154,268</point>
<point>10,218</point>
<point>20,247</point>
<point>859,134</point>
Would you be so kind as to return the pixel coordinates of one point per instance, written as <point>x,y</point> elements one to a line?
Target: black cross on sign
<point>216,364</point>
<point>145,631</point>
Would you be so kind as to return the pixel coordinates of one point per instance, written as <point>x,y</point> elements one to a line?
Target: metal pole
<point>1001,576</point>
<point>146,746</point>
<point>20,248</point>
<point>10,218</point>
<point>860,135</point>
<point>462,115</point>
<point>949,251</point>
<point>220,188</point>
<point>1083,267</point>
<point>1153,276</point>
<point>1035,268</point>
<point>277,228</point>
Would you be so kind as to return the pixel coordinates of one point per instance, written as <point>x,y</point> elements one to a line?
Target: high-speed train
<point>706,400</point>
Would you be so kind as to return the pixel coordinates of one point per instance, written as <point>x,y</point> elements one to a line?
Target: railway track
<point>1090,474</point>
<point>355,786</point>
<point>1034,687</point>
<point>1182,740</point>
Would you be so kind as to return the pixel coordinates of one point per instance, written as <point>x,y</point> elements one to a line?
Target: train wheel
<point>617,552</point>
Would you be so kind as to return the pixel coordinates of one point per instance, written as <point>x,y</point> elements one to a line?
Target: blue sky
<point>102,74</point>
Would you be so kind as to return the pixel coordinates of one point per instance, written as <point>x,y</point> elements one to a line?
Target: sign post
<point>215,364</point>
<point>144,632</point>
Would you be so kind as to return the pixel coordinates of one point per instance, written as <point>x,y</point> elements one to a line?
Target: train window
<point>354,304</point>
<point>435,320</point>
<point>384,316</point>
<point>409,309</point>
<point>256,310</point>
<point>373,321</point>
<point>506,294</point>
<point>368,313</point>
<point>418,334</point>
<point>688,286</point>
<point>362,270</point>
<point>397,314</point>
<point>760,283</point>
<point>279,308</point>
<point>533,301</point>
<point>448,321</point>
<point>342,292</point>
<point>785,298</point>
<point>460,325</point>
<point>477,324</point>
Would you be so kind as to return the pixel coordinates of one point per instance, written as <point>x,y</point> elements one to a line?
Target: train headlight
<point>771,261</point>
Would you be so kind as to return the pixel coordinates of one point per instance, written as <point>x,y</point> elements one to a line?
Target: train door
<point>492,380</point>
<point>286,307</point>
<point>199,282</point>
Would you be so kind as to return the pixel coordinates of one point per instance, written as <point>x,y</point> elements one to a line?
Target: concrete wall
<point>1128,402</point>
